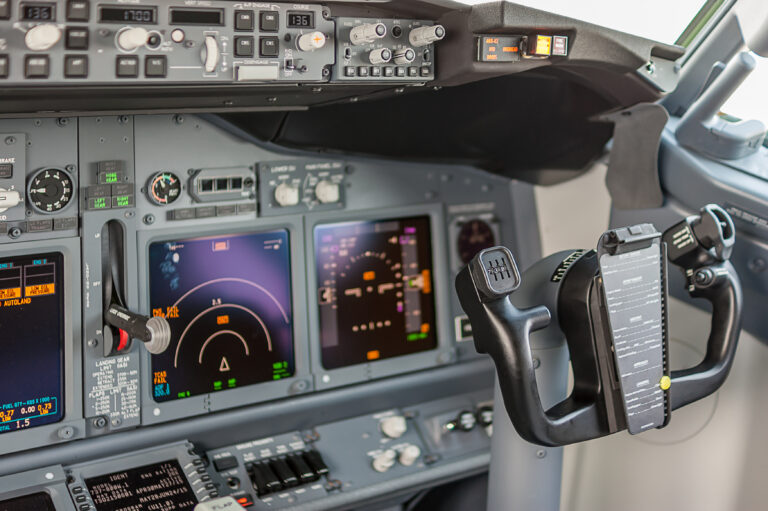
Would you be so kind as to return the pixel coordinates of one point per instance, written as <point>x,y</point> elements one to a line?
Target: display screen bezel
<point>192,12</point>
<point>444,352</point>
<point>26,5</point>
<point>181,238</point>
<point>60,264</point>
<point>126,8</point>
<point>289,15</point>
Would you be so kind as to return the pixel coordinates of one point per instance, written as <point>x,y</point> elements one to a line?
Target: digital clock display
<point>38,12</point>
<point>301,20</point>
<point>118,14</point>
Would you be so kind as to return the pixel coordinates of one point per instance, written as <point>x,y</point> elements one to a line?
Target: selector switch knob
<point>131,38</point>
<point>405,56</point>
<point>423,36</point>
<point>327,192</point>
<point>380,56</point>
<point>367,33</point>
<point>311,41</point>
<point>409,455</point>
<point>394,426</point>
<point>42,37</point>
<point>211,54</point>
<point>384,461</point>
<point>9,199</point>
<point>286,195</point>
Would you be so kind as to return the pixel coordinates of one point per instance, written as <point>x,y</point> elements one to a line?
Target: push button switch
<point>268,21</point>
<point>156,66</point>
<point>5,9</point>
<point>36,66</point>
<point>127,66</point>
<point>243,21</point>
<point>76,66</point>
<point>269,47</point>
<point>225,463</point>
<point>244,46</point>
<point>76,38</point>
<point>4,66</point>
<point>78,10</point>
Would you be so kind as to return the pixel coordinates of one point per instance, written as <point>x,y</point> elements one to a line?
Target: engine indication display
<point>375,293</point>
<point>227,300</point>
<point>31,350</point>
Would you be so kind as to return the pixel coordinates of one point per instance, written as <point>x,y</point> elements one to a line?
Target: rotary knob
<point>380,56</point>
<point>394,426</point>
<point>384,461</point>
<point>286,195</point>
<point>409,455</point>
<point>367,33</point>
<point>311,41</point>
<point>404,56</point>
<point>131,38</point>
<point>327,192</point>
<point>42,37</point>
<point>424,36</point>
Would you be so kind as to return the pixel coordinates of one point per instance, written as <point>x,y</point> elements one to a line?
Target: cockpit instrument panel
<point>227,300</point>
<point>32,341</point>
<point>375,290</point>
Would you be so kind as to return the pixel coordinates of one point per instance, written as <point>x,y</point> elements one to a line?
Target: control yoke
<point>610,305</point>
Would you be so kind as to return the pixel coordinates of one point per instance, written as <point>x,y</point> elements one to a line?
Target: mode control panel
<point>370,49</point>
<point>70,41</point>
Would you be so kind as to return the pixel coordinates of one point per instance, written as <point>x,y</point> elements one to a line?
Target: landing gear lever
<point>154,332</point>
<point>609,306</point>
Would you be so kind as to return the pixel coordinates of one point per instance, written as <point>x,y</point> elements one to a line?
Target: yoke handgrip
<point>504,332</point>
<point>720,285</point>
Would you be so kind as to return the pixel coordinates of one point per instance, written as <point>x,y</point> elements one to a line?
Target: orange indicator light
<point>373,355</point>
<point>40,290</point>
<point>222,320</point>
<point>369,275</point>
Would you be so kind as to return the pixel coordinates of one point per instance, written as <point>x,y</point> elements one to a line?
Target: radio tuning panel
<point>369,49</point>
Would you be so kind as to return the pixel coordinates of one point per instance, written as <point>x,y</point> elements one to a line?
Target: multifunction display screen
<point>31,341</point>
<point>375,293</point>
<point>228,302</point>
<point>161,486</point>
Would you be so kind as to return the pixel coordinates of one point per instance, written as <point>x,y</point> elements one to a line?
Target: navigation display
<point>375,294</point>
<point>161,486</point>
<point>31,341</point>
<point>227,300</point>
